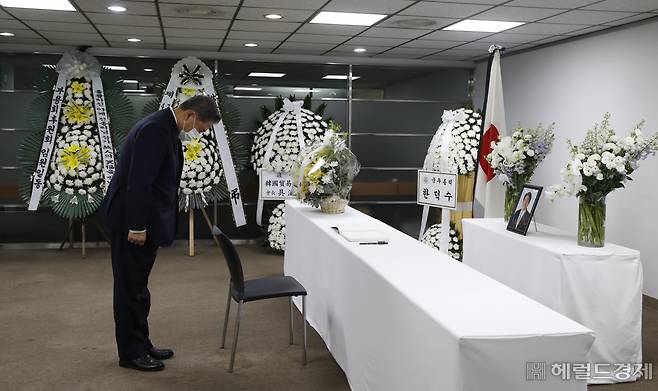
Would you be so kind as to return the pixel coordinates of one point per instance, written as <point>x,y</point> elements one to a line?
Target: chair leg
<point>304,320</point>
<point>291,319</point>
<point>235,336</point>
<point>228,312</point>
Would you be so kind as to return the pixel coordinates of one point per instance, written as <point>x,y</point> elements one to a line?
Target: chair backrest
<point>232,259</point>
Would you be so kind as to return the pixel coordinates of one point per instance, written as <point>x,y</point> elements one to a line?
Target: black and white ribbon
<point>103,125</point>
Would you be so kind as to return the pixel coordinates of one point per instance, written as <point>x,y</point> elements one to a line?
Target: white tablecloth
<point>403,316</point>
<point>600,288</point>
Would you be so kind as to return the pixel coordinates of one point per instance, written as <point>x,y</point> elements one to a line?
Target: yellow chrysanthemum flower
<point>75,155</point>
<point>78,114</point>
<point>77,87</point>
<point>188,91</point>
<point>193,150</point>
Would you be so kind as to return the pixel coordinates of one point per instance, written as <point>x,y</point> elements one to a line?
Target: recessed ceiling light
<point>273,16</point>
<point>126,81</point>
<point>347,18</point>
<point>247,88</point>
<point>56,5</point>
<point>134,90</point>
<point>117,8</point>
<point>484,26</point>
<point>134,40</point>
<point>266,74</point>
<point>360,50</point>
<point>6,34</point>
<point>308,90</point>
<point>115,67</point>
<point>143,56</point>
<point>340,77</point>
<point>250,44</point>
<point>148,69</point>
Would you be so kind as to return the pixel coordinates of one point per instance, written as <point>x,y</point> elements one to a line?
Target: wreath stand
<point>191,246</point>
<point>70,235</point>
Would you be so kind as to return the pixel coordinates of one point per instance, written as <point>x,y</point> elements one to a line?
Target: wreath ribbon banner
<point>289,106</point>
<point>48,144</point>
<point>103,126</point>
<point>202,76</point>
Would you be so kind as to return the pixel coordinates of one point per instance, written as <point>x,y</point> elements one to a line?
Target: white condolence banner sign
<point>438,189</point>
<point>276,186</point>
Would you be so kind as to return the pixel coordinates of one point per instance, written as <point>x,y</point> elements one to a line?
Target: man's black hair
<point>204,106</point>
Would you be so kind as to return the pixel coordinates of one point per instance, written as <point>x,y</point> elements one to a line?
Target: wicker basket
<point>333,205</point>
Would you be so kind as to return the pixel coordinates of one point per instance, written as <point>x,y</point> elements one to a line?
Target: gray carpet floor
<point>57,330</point>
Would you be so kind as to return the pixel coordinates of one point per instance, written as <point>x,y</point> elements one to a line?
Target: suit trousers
<point>131,267</point>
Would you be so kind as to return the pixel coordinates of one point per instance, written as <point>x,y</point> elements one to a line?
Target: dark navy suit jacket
<point>143,193</point>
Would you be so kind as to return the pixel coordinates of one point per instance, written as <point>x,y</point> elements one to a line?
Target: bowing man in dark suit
<point>521,218</point>
<point>141,210</point>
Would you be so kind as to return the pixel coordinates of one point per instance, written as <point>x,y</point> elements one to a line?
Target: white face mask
<point>191,135</point>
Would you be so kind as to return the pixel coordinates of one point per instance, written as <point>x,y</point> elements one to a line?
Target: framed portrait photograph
<point>525,209</point>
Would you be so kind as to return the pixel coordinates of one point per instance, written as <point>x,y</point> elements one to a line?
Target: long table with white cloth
<point>600,288</point>
<point>403,316</point>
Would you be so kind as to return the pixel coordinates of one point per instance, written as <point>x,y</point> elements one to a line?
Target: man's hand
<point>137,238</point>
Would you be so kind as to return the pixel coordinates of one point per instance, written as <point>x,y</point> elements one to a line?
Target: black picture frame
<point>521,227</point>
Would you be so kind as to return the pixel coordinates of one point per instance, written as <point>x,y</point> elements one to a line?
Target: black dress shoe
<point>144,363</point>
<point>161,354</point>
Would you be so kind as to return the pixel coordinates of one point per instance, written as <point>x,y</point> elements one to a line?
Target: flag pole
<point>492,51</point>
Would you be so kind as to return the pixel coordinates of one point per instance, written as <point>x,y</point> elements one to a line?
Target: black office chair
<point>257,289</point>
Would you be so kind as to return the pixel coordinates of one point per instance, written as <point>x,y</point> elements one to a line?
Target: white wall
<point>573,84</point>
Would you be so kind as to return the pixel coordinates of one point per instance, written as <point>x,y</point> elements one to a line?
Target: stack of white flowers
<point>77,167</point>
<point>276,230</point>
<point>432,238</point>
<point>463,148</point>
<point>285,149</point>
<point>202,168</point>
<point>603,162</point>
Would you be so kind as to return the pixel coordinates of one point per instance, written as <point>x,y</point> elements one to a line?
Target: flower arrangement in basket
<point>598,166</point>
<point>515,158</point>
<point>324,173</point>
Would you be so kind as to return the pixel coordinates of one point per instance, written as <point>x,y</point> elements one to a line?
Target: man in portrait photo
<point>141,210</point>
<point>522,216</point>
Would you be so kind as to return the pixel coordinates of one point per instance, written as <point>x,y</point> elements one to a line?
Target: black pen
<point>378,242</point>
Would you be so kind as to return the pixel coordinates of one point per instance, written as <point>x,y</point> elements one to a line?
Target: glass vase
<point>591,222</point>
<point>511,198</point>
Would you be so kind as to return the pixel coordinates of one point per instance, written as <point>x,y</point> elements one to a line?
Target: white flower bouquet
<point>324,174</point>
<point>276,230</point>
<point>515,158</point>
<point>601,164</point>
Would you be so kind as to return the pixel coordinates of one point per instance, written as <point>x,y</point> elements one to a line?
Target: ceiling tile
<point>368,41</point>
<point>587,17</point>
<point>195,41</point>
<point>20,34</point>
<point>61,26</point>
<point>445,10</point>
<point>23,40</point>
<point>382,32</point>
<point>432,44</point>
<point>631,19</point>
<point>130,30</point>
<point>247,13</point>
<point>242,49</point>
<point>211,2</point>
<point>124,20</point>
<point>176,10</point>
<point>188,46</point>
<point>625,5</point>
<point>588,30</point>
<point>257,35</point>
<point>513,38</point>
<point>408,52</point>
<point>305,52</point>
<point>489,2</point>
<point>4,15</point>
<point>124,38</point>
<point>369,6</point>
<point>417,22</point>
<point>545,28</point>
<point>219,24</point>
<point>484,46</point>
<point>261,44</point>
<point>9,24</point>
<point>323,47</point>
<point>71,36</point>
<point>78,42</point>
<point>517,14</point>
<point>564,4</point>
<point>289,4</point>
<point>194,33</point>
<point>47,15</point>
<point>440,57</point>
<point>247,25</point>
<point>123,44</point>
<point>455,35</point>
<point>334,39</point>
<point>133,7</point>
<point>464,52</point>
<point>349,49</point>
<point>331,29</point>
